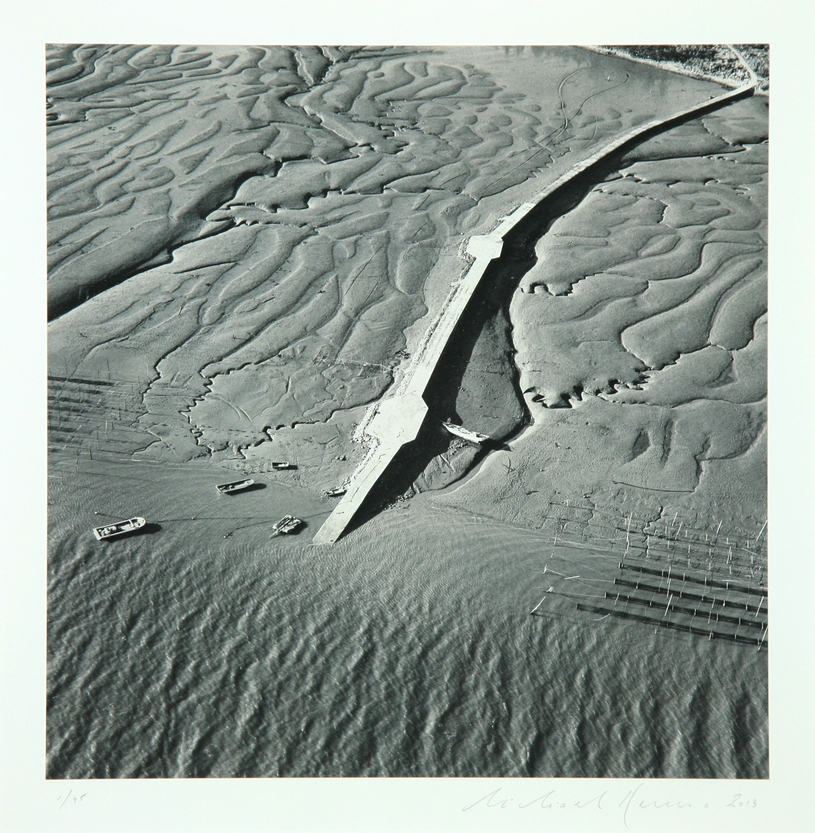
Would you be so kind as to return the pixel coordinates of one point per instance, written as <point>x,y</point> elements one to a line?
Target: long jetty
<point>397,419</point>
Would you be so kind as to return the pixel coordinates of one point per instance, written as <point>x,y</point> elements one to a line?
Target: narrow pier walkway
<point>398,418</point>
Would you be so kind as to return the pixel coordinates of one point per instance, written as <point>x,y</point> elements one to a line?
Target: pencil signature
<point>635,800</point>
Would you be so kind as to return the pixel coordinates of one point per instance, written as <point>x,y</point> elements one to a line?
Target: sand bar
<point>397,420</point>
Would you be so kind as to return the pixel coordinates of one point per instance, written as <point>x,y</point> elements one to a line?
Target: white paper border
<point>28,802</point>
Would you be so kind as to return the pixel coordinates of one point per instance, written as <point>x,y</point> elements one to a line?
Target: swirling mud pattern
<point>248,249</point>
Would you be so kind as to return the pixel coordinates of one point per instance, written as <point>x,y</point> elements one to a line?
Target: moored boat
<point>286,525</point>
<point>337,491</point>
<point>103,533</point>
<point>465,433</point>
<point>235,486</point>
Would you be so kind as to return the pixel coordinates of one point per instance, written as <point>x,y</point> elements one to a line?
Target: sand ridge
<point>282,290</point>
<point>299,217</point>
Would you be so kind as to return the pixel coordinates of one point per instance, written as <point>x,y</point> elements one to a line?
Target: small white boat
<point>236,486</point>
<point>102,533</point>
<point>287,524</point>
<point>335,492</point>
<point>465,433</point>
<point>283,464</point>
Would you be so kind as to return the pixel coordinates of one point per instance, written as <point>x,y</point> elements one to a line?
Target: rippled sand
<point>246,245</point>
<point>643,323</point>
<point>326,194</point>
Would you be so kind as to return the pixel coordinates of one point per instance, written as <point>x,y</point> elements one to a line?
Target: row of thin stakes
<point>672,575</point>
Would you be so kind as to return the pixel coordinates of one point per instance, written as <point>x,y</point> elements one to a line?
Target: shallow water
<point>201,647</point>
<point>407,649</point>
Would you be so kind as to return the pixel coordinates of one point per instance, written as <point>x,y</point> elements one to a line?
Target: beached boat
<point>465,433</point>
<point>102,533</point>
<point>236,486</point>
<point>335,492</point>
<point>287,524</point>
<point>284,464</point>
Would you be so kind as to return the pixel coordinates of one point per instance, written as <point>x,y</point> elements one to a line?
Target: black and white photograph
<point>407,419</point>
<point>407,411</point>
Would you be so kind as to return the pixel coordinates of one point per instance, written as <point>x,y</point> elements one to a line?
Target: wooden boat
<point>283,464</point>
<point>103,533</point>
<point>335,492</point>
<point>286,525</point>
<point>465,433</point>
<point>236,486</point>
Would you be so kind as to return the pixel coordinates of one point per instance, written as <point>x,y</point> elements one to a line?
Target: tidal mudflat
<point>247,248</point>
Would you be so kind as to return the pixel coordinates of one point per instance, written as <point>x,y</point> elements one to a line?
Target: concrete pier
<point>398,418</point>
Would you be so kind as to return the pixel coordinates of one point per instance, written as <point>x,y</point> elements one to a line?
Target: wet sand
<point>292,220</point>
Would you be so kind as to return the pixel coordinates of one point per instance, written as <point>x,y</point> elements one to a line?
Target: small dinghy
<point>103,533</point>
<point>335,492</point>
<point>465,433</point>
<point>236,486</point>
<point>286,525</point>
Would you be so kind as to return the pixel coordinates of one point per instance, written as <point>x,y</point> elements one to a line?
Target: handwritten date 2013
<point>740,801</point>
